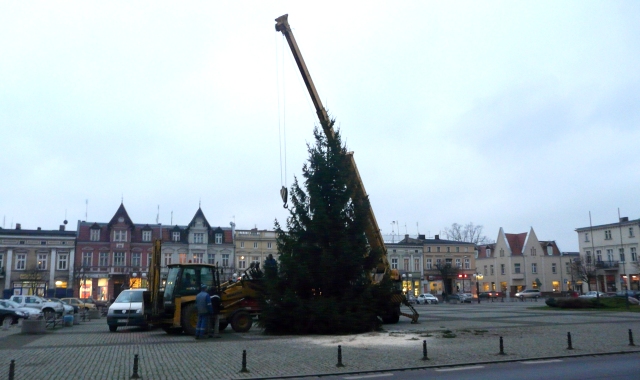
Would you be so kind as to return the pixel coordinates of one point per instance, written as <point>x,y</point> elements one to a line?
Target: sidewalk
<point>90,351</point>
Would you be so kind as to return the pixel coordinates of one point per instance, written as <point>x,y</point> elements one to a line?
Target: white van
<point>127,310</point>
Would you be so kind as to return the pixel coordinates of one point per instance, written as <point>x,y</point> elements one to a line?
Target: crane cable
<point>282,135</point>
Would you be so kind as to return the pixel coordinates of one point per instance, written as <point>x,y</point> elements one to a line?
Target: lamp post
<point>410,284</point>
<point>478,278</point>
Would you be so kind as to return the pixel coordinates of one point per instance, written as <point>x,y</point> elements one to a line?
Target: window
<point>554,270</point>
<point>218,238</point>
<point>567,268</point>
<point>488,252</point>
<point>21,261</point>
<point>175,236</point>
<point>607,235</point>
<point>501,268</point>
<point>599,255</point>
<point>1,262</point>
<point>198,257</point>
<point>501,252</point>
<point>534,268</point>
<point>491,270</point>
<point>211,258</point>
<point>255,244</point>
<point>416,265</point>
<point>438,249</point>
<point>255,259</point>
<point>621,252</point>
<point>406,264</point>
<point>457,249</point>
<point>119,235</point>
<point>241,244</point>
<point>42,261</point>
<point>118,259</point>
<point>516,268</point>
<point>610,254</point>
<point>167,259</point>
<point>448,262</point>
<point>394,263</point>
<point>146,235</point>
<point>458,263</point>
<point>198,238</point>
<point>634,255</point>
<point>631,232</point>
<point>586,237</point>
<point>148,260</point>
<point>104,259</point>
<point>269,245</point>
<point>87,259</point>
<point>63,259</point>
<point>94,235</point>
<point>428,249</point>
<point>587,255</point>
<point>136,259</point>
<point>485,270</point>
<point>467,264</point>
<point>448,249</point>
<point>225,259</point>
<point>242,263</point>
<point>533,251</point>
<point>429,264</point>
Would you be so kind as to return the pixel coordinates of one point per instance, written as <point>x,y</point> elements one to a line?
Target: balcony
<point>517,276</point>
<point>607,265</point>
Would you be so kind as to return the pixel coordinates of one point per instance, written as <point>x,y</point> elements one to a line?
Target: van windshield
<point>129,296</point>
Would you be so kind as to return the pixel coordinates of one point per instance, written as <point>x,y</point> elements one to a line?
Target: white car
<point>48,308</point>
<point>427,298</point>
<point>529,293</point>
<point>29,311</point>
<point>593,294</point>
<point>68,309</point>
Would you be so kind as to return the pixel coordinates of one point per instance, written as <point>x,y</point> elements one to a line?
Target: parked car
<point>10,313</point>
<point>127,310</point>
<point>48,308</point>
<point>98,303</point>
<point>68,309</point>
<point>427,298</point>
<point>28,311</point>
<point>628,293</point>
<point>79,303</point>
<point>411,299</point>
<point>466,297</point>
<point>453,298</point>
<point>488,295</point>
<point>529,293</point>
<point>593,294</point>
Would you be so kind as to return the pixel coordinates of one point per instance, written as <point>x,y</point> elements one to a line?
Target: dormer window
<point>550,250</point>
<point>120,235</point>
<point>146,235</point>
<point>218,238</point>
<point>175,236</point>
<point>94,235</point>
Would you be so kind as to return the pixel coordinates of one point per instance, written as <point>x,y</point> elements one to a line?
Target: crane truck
<point>374,237</point>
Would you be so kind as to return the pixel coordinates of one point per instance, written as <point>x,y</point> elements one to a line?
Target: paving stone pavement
<point>90,351</point>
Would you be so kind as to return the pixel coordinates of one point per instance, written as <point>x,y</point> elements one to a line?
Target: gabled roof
<point>516,242</point>
<point>555,250</point>
<point>122,212</point>
<point>482,251</point>
<point>199,214</point>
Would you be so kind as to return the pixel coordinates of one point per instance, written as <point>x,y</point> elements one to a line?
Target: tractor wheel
<point>222,326</point>
<point>241,321</point>
<point>189,319</point>
<point>392,316</point>
<point>113,328</point>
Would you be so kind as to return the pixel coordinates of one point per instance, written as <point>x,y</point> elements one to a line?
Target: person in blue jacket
<point>205,310</point>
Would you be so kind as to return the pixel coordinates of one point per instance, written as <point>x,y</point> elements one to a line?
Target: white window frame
<point>87,258</point>
<point>94,234</point>
<point>120,235</point>
<point>119,258</point>
<point>218,238</point>
<point>458,263</point>
<point>136,259</point>
<point>198,238</point>
<point>21,261</point>
<point>103,259</point>
<point>1,260</point>
<point>429,263</point>
<point>534,268</point>
<point>63,261</point>
<point>634,254</point>
<point>241,244</point>
<point>211,258</point>
<point>502,269</point>
<point>554,269</point>
<point>516,268</point>
<point>167,259</point>
<point>416,265</point>
<point>242,262</point>
<point>198,257</point>
<point>225,259</point>
<point>394,263</point>
<point>255,244</point>
<point>269,245</point>
<point>467,263</point>
<point>607,235</point>
<point>175,236</point>
<point>146,235</point>
<point>42,261</point>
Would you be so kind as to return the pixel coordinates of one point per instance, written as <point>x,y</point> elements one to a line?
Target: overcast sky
<point>504,114</point>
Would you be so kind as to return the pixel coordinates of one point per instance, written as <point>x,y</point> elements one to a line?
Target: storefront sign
<point>31,276</point>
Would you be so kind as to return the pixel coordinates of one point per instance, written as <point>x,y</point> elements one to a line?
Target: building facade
<point>37,262</point>
<point>253,246</point>
<point>406,256</point>
<point>612,251</point>
<point>522,261</point>
<point>114,256</point>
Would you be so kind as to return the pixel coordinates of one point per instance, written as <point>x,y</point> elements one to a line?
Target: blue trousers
<point>202,326</point>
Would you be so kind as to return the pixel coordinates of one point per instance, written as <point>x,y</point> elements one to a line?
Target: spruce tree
<point>322,284</point>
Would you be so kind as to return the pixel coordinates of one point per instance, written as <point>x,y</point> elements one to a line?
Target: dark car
<point>11,314</point>
<point>98,303</point>
<point>487,295</point>
<point>628,293</point>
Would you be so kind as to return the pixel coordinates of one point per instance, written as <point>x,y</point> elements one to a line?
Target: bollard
<point>570,346</point>
<point>135,375</point>
<point>339,357</point>
<point>244,362</point>
<point>424,350</point>
<point>12,369</point>
<point>631,338</point>
<point>501,347</point>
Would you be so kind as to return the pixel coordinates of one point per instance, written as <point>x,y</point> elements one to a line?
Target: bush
<point>573,303</point>
<point>551,302</point>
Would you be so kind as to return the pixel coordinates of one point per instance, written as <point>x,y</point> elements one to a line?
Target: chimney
<point>624,219</point>
<point>421,237</point>
<point>406,237</point>
<point>62,227</point>
<point>18,226</point>
<point>39,228</point>
<point>437,237</point>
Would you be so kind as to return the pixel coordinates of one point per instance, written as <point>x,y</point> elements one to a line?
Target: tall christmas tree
<point>322,284</point>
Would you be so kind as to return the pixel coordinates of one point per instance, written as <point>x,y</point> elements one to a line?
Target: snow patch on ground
<point>396,338</point>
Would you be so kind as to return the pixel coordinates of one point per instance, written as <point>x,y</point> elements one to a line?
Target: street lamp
<point>478,278</point>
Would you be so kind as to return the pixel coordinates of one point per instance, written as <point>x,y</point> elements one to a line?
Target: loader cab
<point>185,280</point>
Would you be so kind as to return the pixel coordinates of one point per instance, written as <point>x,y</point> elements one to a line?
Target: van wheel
<point>189,319</point>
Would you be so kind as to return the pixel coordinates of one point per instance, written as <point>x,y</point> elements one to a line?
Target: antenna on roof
<point>86,209</point>
<point>158,216</point>
<point>172,218</point>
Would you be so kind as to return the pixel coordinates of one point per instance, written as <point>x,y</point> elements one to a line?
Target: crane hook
<point>284,194</point>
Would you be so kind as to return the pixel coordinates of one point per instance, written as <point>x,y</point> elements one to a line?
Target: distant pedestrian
<point>205,310</point>
<point>215,303</point>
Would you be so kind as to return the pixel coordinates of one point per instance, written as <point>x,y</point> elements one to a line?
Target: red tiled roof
<point>516,242</point>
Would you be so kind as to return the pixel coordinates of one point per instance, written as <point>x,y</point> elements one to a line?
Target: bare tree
<point>583,270</point>
<point>469,233</point>
<point>448,273</point>
<point>34,275</point>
